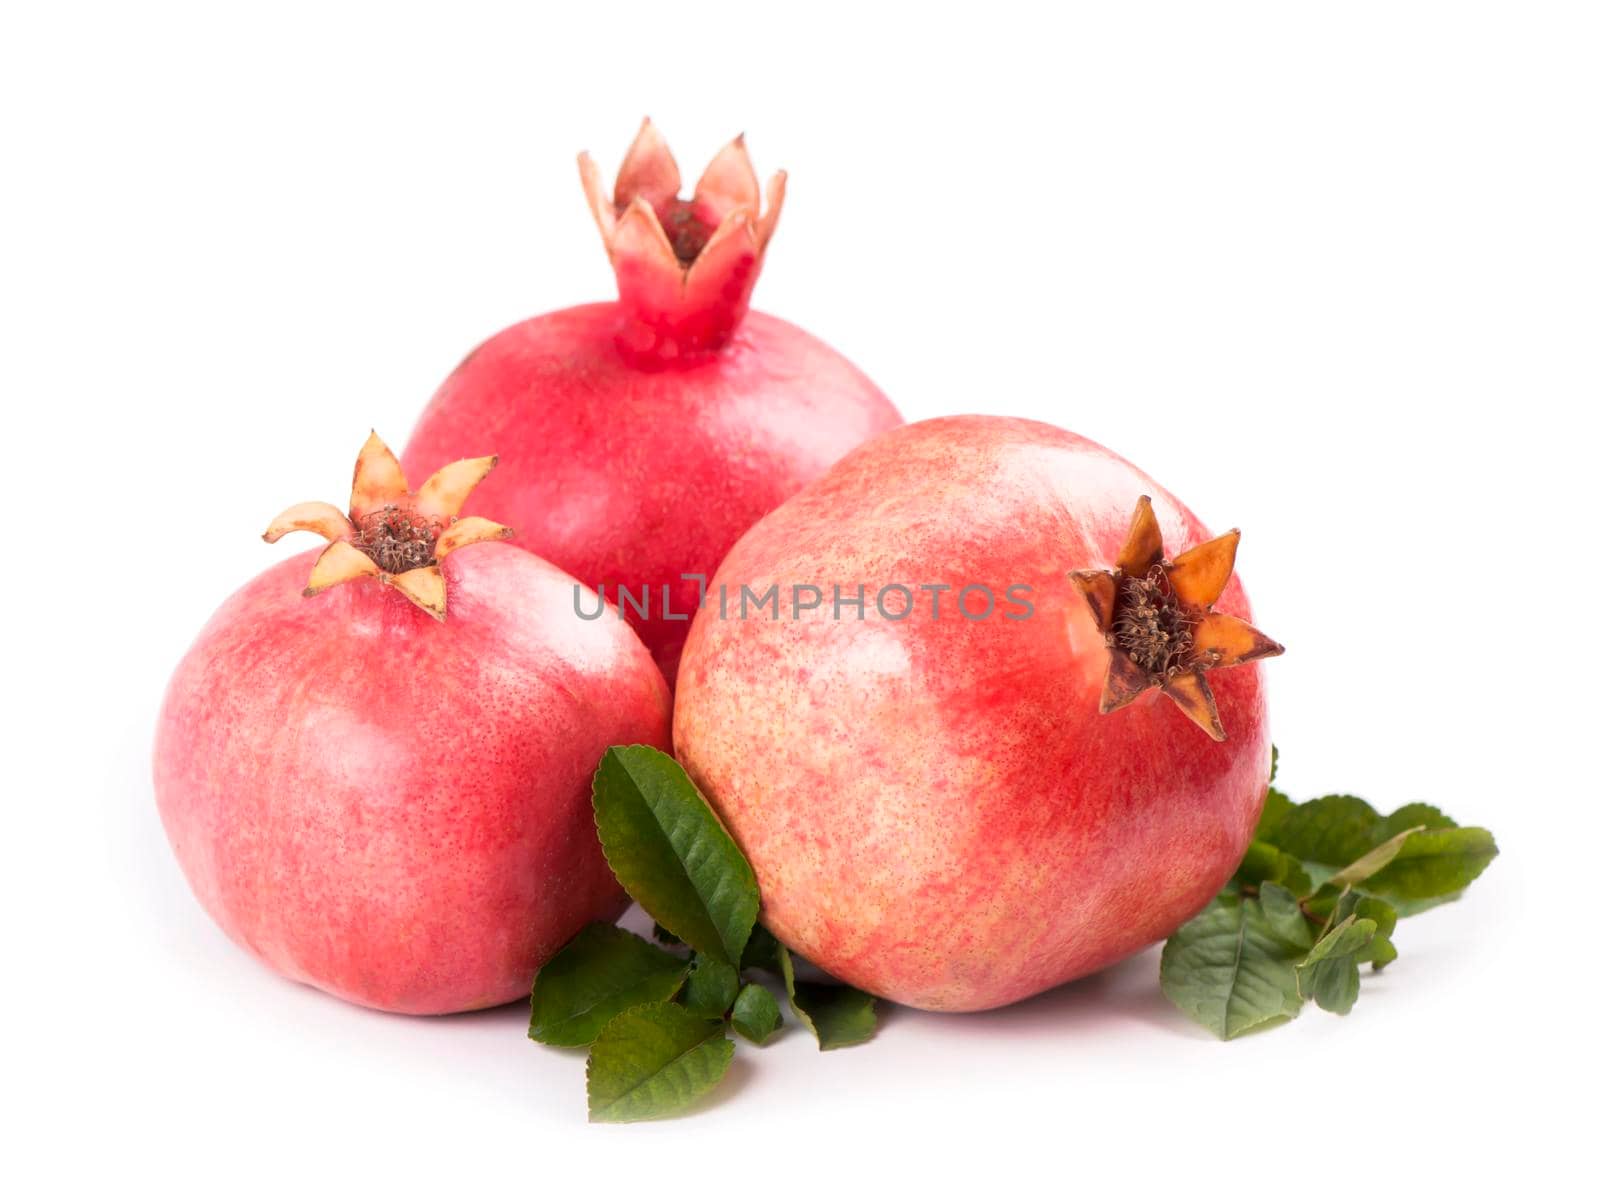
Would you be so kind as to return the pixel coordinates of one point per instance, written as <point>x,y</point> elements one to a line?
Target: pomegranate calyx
<point>1159,627</point>
<point>685,268</point>
<point>391,533</point>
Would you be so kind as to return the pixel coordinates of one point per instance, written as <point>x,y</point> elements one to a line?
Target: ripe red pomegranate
<point>386,797</point>
<point>640,438</point>
<point>957,797</point>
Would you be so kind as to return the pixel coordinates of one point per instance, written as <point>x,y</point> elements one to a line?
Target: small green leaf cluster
<point>1318,893</point>
<point>655,1015</point>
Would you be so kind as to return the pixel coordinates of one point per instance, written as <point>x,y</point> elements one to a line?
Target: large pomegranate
<point>384,792</point>
<point>984,737</point>
<point>639,439</point>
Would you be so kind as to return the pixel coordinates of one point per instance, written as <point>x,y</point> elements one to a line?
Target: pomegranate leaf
<point>654,1061</point>
<point>1229,969</point>
<point>1272,812</point>
<point>1285,920</point>
<point>837,1014</point>
<point>1337,865</point>
<point>1378,911</point>
<point>1416,814</point>
<point>1380,952</point>
<point>1329,973</point>
<point>1264,863</point>
<point>1331,831</point>
<point>711,987</point>
<point>1371,863</point>
<point>1417,856</point>
<point>761,952</point>
<point>755,1014</point>
<point>653,1051</point>
<point>601,972</point>
<point>1435,863</point>
<point>670,852</point>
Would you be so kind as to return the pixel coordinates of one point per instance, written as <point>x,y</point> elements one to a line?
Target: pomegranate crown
<point>391,533</point>
<point>685,267</point>
<point>1158,623</point>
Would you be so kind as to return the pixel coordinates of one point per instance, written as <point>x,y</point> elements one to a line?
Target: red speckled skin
<point>393,809</point>
<point>631,475</point>
<point>936,810</point>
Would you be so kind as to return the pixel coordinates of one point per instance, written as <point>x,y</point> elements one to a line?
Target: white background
<point>1331,273</point>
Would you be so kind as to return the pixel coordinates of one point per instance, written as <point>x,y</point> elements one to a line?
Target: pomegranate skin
<point>633,475</point>
<point>393,809</point>
<point>935,809</point>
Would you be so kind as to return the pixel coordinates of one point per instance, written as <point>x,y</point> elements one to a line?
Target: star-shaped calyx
<point>1158,622</point>
<point>391,533</point>
<point>685,267</point>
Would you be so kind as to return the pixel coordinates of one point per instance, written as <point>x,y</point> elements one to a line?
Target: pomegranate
<point>387,797</point>
<point>982,738</point>
<point>641,438</point>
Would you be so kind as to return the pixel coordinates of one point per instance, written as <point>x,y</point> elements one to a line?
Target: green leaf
<point>1283,917</point>
<point>1410,908</point>
<point>1273,811</point>
<point>1266,864</point>
<point>1334,984</point>
<point>1333,861</point>
<point>1380,954</point>
<point>1329,830</point>
<point>1229,971</point>
<point>1371,863</point>
<point>1416,814</point>
<point>1330,834</point>
<point>671,853</point>
<point>838,1015</point>
<point>1435,863</point>
<point>1380,912</point>
<point>663,935</point>
<point>711,986</point>
<point>1319,873</point>
<point>761,952</point>
<point>755,1014</point>
<point>1334,907</point>
<point>1329,974</point>
<point>654,1061</point>
<point>598,974</point>
<point>1273,773</point>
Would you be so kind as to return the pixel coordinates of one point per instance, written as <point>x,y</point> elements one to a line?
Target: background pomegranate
<point>386,796</point>
<point>640,438</point>
<point>936,807</point>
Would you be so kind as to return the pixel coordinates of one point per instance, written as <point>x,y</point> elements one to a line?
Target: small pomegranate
<point>386,796</point>
<point>985,738</point>
<point>641,438</point>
